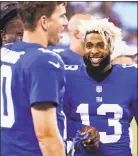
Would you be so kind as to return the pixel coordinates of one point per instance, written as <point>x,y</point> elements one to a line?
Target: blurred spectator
<point>106,11</point>
<point>79,7</point>
<point>132,38</point>
<point>98,9</point>
<point>69,11</point>
<point>127,12</point>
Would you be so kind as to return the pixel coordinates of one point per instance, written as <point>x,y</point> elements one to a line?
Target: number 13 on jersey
<point>83,109</point>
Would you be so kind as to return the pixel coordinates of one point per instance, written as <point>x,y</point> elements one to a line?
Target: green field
<point>135,138</point>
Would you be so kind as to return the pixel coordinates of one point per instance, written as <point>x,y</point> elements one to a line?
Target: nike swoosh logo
<point>57,65</point>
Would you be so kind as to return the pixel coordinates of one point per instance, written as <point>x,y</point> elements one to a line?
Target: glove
<point>77,143</point>
<point>93,139</point>
<point>86,139</point>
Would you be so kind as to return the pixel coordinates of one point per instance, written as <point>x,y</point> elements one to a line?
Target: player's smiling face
<point>95,49</point>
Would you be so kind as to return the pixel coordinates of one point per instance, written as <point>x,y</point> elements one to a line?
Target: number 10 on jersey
<point>7,110</point>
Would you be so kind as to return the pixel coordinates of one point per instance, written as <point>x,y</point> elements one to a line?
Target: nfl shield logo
<point>98,89</point>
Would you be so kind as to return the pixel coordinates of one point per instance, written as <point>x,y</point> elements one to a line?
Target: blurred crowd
<point>120,13</point>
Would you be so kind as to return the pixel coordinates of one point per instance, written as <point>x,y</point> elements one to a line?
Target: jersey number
<point>7,110</point>
<point>83,109</point>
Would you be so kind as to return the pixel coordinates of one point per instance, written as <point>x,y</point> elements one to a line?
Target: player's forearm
<point>52,147</point>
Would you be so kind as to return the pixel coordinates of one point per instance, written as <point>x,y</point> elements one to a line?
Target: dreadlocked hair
<point>108,31</point>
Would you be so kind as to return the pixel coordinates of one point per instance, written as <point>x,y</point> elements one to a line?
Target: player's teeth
<point>95,59</point>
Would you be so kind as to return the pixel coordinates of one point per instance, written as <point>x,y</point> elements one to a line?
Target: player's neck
<point>35,37</point>
<point>75,47</point>
<point>100,76</point>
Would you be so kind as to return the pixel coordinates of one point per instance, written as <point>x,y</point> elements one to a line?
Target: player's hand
<point>93,139</point>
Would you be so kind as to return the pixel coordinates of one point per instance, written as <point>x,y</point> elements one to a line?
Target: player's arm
<point>47,133</point>
<point>43,82</point>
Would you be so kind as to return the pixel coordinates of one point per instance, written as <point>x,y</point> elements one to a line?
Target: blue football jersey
<point>29,74</point>
<point>69,57</point>
<point>108,105</point>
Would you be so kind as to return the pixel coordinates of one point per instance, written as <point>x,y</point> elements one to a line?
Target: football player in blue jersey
<point>73,54</point>
<point>32,84</point>
<point>100,94</point>
<point>11,27</point>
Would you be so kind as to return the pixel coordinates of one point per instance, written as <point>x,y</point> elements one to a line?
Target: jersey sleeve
<point>45,78</point>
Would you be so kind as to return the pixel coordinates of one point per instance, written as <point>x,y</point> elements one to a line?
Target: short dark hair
<point>30,12</point>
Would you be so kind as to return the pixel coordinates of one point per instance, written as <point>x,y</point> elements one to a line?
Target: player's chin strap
<point>77,143</point>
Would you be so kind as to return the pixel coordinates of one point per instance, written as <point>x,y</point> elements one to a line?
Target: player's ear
<point>76,34</point>
<point>44,22</point>
<point>3,36</point>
